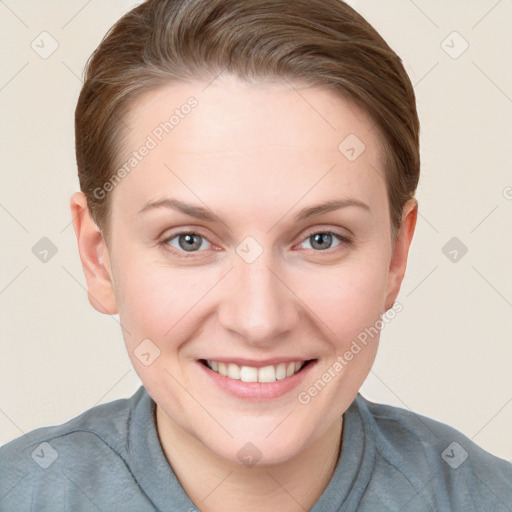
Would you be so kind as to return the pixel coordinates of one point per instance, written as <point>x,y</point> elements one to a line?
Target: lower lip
<point>256,390</point>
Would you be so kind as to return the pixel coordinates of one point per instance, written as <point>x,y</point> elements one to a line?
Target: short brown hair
<point>320,42</point>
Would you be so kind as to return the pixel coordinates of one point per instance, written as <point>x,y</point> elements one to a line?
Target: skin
<point>255,155</point>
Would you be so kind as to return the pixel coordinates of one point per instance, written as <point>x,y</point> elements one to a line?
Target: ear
<point>94,256</point>
<point>400,252</point>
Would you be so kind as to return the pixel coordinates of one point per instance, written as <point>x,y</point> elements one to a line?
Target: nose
<point>257,304</point>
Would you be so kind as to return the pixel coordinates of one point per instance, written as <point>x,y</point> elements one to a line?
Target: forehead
<point>244,116</point>
<point>267,138</point>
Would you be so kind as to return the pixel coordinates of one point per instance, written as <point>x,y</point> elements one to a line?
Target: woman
<point>247,173</point>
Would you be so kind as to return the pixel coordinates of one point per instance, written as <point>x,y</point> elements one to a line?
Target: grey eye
<point>188,242</point>
<point>321,240</point>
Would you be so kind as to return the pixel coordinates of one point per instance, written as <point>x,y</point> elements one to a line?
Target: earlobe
<point>400,252</point>
<point>94,257</point>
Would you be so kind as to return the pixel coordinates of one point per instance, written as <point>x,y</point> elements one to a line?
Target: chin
<point>255,444</point>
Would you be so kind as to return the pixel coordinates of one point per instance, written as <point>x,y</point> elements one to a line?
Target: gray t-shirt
<point>110,459</point>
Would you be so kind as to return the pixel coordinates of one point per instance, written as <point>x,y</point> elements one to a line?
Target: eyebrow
<point>205,214</point>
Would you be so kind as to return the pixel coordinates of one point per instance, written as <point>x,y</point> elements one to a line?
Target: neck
<point>215,484</point>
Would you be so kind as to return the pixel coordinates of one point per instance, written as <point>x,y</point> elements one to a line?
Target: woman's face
<point>223,254</point>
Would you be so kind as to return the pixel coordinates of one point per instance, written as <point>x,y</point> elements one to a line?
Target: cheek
<point>349,305</point>
<point>347,299</point>
<point>153,299</point>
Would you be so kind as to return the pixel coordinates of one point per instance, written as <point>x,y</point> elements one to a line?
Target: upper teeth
<point>251,374</point>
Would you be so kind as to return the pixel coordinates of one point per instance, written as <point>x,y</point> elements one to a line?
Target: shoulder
<point>105,424</point>
<point>45,464</point>
<point>438,457</point>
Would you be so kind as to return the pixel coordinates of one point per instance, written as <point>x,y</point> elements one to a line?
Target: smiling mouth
<point>265,374</point>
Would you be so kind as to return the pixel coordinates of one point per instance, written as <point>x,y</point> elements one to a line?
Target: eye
<point>323,240</point>
<point>191,242</point>
<point>186,242</point>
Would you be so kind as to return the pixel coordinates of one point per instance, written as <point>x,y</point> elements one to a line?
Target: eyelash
<point>343,239</point>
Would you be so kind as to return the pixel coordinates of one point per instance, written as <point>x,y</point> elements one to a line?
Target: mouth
<point>263,374</point>
<point>255,381</point>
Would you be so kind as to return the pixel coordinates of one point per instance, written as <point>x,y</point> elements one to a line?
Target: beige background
<point>447,355</point>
